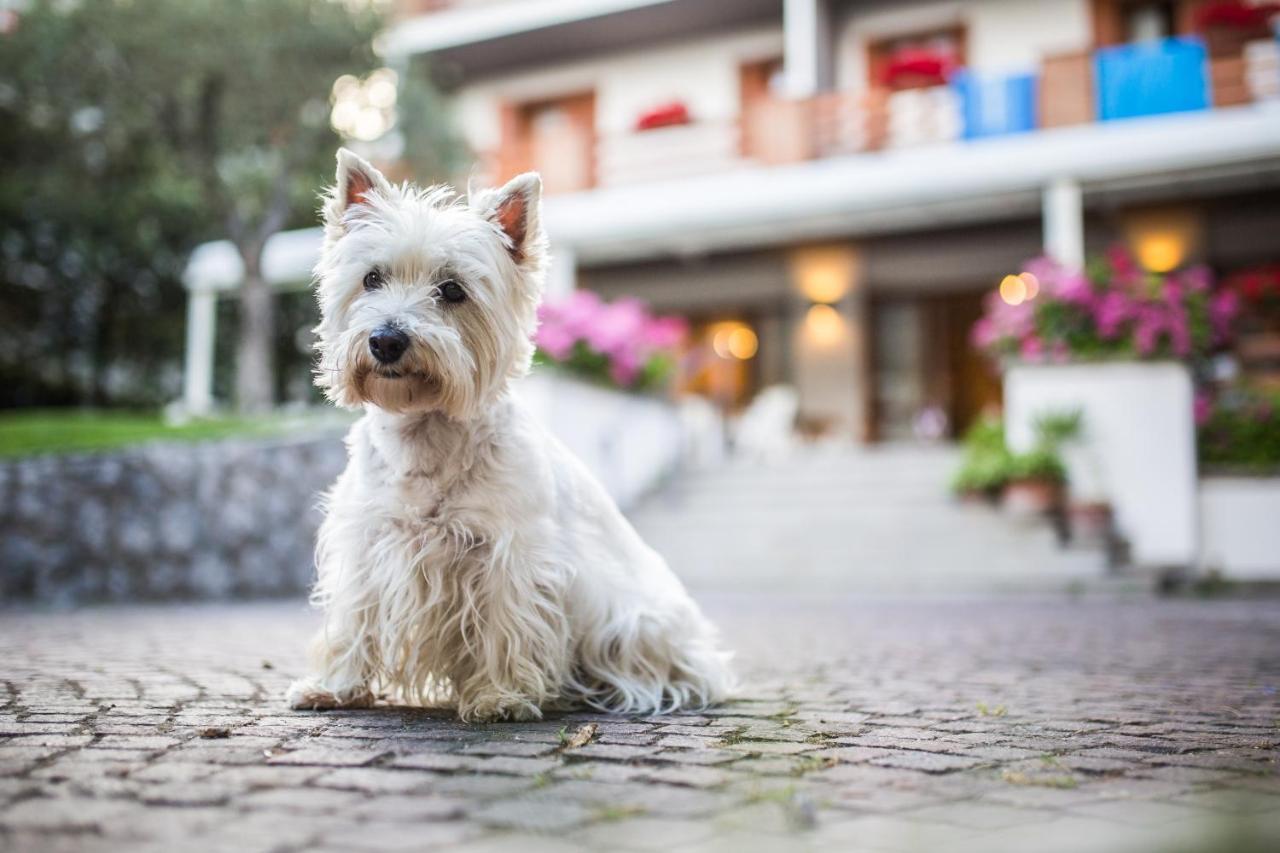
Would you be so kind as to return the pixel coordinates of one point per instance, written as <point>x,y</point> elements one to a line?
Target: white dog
<point>467,557</point>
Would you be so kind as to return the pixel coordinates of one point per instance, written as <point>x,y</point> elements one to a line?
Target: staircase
<point>840,519</point>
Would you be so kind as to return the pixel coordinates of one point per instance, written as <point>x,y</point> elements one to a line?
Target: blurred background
<point>975,295</point>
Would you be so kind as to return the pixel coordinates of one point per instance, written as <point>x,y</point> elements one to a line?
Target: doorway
<point>929,382</point>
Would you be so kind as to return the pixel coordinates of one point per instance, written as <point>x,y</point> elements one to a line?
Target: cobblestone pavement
<point>967,724</point>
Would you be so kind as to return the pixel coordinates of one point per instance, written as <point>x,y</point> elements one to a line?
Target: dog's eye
<point>372,280</point>
<point>451,291</point>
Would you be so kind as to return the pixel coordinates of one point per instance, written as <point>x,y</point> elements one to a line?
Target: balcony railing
<point>1128,81</point>
<point>663,153</point>
<point>1111,84</point>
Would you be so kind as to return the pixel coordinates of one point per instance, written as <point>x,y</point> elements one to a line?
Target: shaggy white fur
<point>467,557</point>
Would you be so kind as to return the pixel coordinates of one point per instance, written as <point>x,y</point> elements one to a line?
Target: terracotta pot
<point>1032,496</point>
<point>1089,524</point>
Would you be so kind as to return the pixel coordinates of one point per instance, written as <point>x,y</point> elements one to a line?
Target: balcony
<point>1110,85</point>
<point>1126,82</point>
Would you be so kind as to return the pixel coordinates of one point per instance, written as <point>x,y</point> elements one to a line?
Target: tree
<point>95,222</point>
<point>246,109</point>
<point>129,131</point>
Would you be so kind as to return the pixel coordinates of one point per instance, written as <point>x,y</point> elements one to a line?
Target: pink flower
<point>1032,348</point>
<point>616,326</point>
<point>579,312</point>
<point>1146,334</point>
<point>664,332</point>
<point>1110,312</point>
<point>1124,269</point>
<point>624,368</point>
<point>1202,407</point>
<point>984,333</point>
<point>1198,279</point>
<point>1073,287</point>
<point>1224,306</point>
<point>554,339</point>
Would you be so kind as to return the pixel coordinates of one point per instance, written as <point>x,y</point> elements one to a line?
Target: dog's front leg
<point>518,644</point>
<point>341,654</point>
<point>341,678</point>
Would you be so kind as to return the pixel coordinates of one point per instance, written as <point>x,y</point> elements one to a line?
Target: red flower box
<point>1235,14</point>
<point>919,67</point>
<point>666,115</point>
<point>1256,284</point>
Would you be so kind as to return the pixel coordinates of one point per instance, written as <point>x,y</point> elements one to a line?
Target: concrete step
<point>876,520</point>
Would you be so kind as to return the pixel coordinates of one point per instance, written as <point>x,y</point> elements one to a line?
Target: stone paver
<point>965,724</point>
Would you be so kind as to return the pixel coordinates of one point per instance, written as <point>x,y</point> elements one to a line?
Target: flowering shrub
<point>1259,286</point>
<point>1239,429</point>
<point>618,343</point>
<point>1115,310</point>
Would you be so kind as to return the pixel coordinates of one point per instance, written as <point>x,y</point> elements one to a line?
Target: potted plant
<point>1117,342</point>
<point>1239,448</point>
<point>1036,483</point>
<point>1087,512</point>
<point>985,466</point>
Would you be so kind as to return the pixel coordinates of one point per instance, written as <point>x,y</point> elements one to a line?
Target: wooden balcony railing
<point>664,153</point>
<point>1070,89</point>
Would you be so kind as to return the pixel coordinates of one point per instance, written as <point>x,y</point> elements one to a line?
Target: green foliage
<point>594,367</point>
<point>986,464</point>
<point>1053,429</point>
<point>36,431</point>
<point>1042,463</point>
<point>1242,433</point>
<point>132,131</point>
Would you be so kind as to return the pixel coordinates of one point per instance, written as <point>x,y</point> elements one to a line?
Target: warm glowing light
<point>1032,283</point>
<point>734,340</point>
<point>364,109</point>
<point>1160,252</point>
<point>824,273</point>
<point>1013,290</point>
<point>743,343</point>
<point>824,325</point>
<point>1163,238</point>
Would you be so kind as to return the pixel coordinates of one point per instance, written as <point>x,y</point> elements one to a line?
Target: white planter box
<point>1139,430</point>
<point>630,442</point>
<point>1240,527</point>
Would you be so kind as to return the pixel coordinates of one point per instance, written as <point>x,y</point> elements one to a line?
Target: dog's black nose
<point>387,344</point>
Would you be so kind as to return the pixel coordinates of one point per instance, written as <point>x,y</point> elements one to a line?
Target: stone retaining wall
<point>226,519</point>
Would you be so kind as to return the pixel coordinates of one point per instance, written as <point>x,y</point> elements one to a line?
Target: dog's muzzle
<point>387,344</point>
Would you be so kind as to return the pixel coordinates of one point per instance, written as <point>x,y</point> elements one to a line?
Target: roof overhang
<point>912,188</point>
<point>864,194</point>
<point>474,40</point>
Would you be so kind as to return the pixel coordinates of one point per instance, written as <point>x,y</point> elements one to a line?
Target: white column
<point>562,276</point>
<point>805,55</point>
<point>197,378</point>
<point>1064,222</point>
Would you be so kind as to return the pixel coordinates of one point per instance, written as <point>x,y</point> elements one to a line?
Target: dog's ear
<point>357,179</point>
<point>516,209</point>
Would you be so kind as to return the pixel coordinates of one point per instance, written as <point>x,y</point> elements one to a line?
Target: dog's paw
<point>307,694</point>
<point>499,709</point>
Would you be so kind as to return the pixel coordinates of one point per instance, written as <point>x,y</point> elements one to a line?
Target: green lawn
<point>29,432</point>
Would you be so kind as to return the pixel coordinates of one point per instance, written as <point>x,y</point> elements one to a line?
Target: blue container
<point>1151,78</point>
<point>995,106</point>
